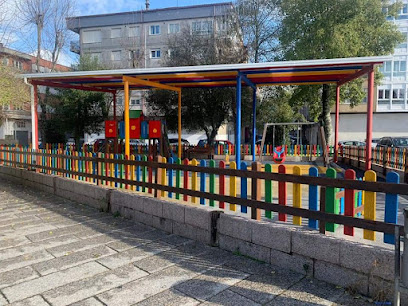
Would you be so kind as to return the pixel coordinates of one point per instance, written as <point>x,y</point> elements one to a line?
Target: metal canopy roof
<point>305,72</point>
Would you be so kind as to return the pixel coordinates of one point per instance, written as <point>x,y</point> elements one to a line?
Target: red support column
<point>35,116</point>
<point>369,131</point>
<point>336,124</point>
<point>115,145</point>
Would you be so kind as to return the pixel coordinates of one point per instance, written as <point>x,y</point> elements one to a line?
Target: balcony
<point>75,47</point>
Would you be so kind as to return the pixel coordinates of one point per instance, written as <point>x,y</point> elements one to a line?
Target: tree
<point>76,112</point>
<point>35,12</point>
<point>259,21</point>
<point>13,90</point>
<point>202,108</point>
<point>315,29</point>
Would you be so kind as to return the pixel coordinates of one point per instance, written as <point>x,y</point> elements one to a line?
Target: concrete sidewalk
<point>56,252</point>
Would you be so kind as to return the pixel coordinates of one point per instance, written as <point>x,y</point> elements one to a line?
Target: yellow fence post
<point>194,179</point>
<point>164,176</point>
<point>233,185</point>
<point>297,196</point>
<point>370,204</point>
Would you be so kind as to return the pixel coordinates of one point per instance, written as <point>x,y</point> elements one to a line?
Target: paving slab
<point>58,252</point>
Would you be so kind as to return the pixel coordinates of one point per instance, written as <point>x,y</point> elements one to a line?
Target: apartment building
<point>390,99</point>
<point>16,121</point>
<point>139,39</point>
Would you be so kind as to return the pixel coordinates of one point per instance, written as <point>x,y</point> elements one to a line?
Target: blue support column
<point>238,124</point>
<point>253,124</point>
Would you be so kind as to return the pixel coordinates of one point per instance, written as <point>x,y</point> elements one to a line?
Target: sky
<point>91,7</point>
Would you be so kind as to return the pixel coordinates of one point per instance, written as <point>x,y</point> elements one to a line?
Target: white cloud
<point>92,7</point>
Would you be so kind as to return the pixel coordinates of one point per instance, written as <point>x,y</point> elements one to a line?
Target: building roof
<point>143,16</point>
<point>304,72</point>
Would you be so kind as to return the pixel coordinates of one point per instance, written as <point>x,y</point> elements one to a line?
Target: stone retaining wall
<point>361,268</point>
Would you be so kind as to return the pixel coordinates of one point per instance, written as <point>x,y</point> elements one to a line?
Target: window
<point>170,52</point>
<point>400,67</point>
<point>116,56</point>
<point>386,68</point>
<point>20,124</point>
<point>134,54</point>
<point>383,96</point>
<point>96,55</point>
<point>91,37</point>
<point>116,33</point>
<point>398,96</point>
<point>174,28</point>
<point>134,101</point>
<point>119,101</point>
<point>134,31</point>
<point>222,25</point>
<point>403,12</point>
<point>155,53</point>
<point>18,65</point>
<point>5,61</point>
<point>154,30</point>
<point>202,27</point>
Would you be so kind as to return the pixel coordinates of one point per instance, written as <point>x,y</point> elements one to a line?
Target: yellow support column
<point>297,196</point>
<point>233,185</point>
<point>127,125</point>
<point>370,204</point>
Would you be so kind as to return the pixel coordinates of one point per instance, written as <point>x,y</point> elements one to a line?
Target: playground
<point>300,185</point>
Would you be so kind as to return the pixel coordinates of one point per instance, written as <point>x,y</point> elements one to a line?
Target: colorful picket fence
<point>393,158</point>
<point>82,165</point>
<point>219,149</point>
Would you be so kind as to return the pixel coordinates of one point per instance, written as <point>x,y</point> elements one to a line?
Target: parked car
<point>393,142</point>
<point>174,141</point>
<point>204,142</point>
<point>352,143</point>
<point>374,142</point>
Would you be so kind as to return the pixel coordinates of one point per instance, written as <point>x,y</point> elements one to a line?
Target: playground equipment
<point>279,155</point>
<point>306,133</point>
<point>152,129</point>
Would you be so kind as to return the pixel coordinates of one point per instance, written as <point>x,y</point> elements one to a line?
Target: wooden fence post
<point>157,177</point>
<point>256,191</point>
<point>313,197</point>
<point>370,204</point>
<point>282,193</point>
<point>391,206</point>
<point>349,201</point>
<point>322,224</point>
<point>268,191</point>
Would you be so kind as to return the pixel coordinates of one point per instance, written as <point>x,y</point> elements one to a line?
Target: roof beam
<point>137,81</point>
<point>79,87</point>
<point>247,81</point>
<point>355,75</point>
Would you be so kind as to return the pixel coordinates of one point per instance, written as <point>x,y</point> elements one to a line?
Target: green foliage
<point>76,112</point>
<point>13,90</point>
<point>315,29</point>
<point>203,109</point>
<point>275,107</point>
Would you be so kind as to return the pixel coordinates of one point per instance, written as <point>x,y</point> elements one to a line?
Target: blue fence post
<point>313,197</point>
<point>202,181</point>
<point>244,188</point>
<point>116,169</point>
<point>138,158</point>
<point>342,203</point>
<point>391,206</point>
<point>170,180</point>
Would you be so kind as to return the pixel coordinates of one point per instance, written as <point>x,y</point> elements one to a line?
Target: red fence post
<point>282,193</point>
<point>349,198</point>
